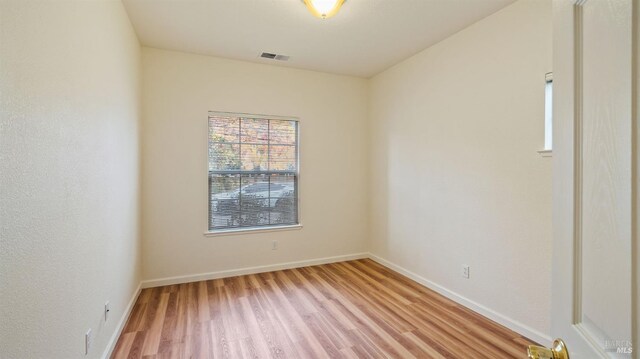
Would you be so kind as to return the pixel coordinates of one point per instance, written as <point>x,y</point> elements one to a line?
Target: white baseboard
<point>123,321</point>
<point>249,270</point>
<point>476,307</point>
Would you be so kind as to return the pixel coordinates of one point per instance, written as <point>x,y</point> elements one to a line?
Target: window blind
<point>253,172</point>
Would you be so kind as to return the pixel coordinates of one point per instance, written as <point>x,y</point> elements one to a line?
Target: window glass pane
<point>254,130</point>
<point>254,200</point>
<point>282,199</point>
<point>224,214</point>
<point>254,212</point>
<point>255,186</point>
<point>282,158</point>
<point>254,157</point>
<point>282,132</point>
<point>223,156</point>
<point>224,129</point>
<point>224,186</point>
<point>224,206</point>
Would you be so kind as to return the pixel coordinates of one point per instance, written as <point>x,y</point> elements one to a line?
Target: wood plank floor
<point>355,309</point>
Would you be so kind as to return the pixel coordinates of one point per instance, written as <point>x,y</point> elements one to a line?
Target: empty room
<point>319,179</point>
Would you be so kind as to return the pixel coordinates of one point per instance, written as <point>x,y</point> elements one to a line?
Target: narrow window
<point>253,171</point>
<point>548,112</point>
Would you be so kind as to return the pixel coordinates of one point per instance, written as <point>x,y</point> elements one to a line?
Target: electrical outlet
<point>274,245</point>
<point>87,342</point>
<point>465,271</point>
<point>107,309</point>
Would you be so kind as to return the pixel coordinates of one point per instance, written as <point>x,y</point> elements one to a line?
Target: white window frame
<point>548,116</point>
<point>249,230</point>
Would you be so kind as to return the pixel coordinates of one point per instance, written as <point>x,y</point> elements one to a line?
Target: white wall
<point>455,174</point>
<point>178,91</point>
<point>69,103</point>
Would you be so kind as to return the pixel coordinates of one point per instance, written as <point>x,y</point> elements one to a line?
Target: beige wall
<point>178,91</point>
<point>69,102</point>
<point>430,165</point>
<point>455,174</point>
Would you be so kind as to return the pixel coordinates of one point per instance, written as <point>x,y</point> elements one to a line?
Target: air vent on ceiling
<point>268,55</point>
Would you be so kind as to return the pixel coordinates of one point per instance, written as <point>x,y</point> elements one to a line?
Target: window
<point>253,172</point>
<point>548,112</point>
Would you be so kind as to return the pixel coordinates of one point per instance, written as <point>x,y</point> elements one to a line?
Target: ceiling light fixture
<point>323,8</point>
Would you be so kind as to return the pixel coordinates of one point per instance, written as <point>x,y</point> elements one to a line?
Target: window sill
<point>236,231</point>
<point>546,153</point>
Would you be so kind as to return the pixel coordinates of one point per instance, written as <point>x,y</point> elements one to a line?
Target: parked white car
<point>260,190</point>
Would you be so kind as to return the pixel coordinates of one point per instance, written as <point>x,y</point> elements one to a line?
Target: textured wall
<point>69,103</point>
<point>178,91</point>
<point>455,174</point>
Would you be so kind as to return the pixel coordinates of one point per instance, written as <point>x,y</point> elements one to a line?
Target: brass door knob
<point>558,351</point>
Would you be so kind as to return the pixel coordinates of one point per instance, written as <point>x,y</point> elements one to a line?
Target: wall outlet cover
<point>465,271</point>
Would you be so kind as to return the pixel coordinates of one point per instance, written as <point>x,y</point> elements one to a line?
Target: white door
<point>595,273</point>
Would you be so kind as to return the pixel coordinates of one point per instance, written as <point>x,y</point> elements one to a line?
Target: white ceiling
<point>363,39</point>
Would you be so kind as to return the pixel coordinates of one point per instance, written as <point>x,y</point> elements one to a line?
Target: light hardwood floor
<point>355,309</point>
